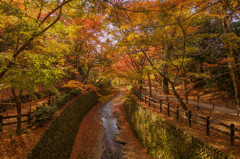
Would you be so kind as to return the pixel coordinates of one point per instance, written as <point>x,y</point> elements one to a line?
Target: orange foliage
<point>85,88</point>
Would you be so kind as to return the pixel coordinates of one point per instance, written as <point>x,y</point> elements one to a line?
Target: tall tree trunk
<point>232,67</point>
<point>17,99</point>
<point>140,82</point>
<point>186,90</point>
<point>178,97</point>
<point>149,85</point>
<point>165,87</point>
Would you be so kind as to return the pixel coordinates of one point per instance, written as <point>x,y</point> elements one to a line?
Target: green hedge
<point>64,98</point>
<point>57,142</point>
<point>162,139</point>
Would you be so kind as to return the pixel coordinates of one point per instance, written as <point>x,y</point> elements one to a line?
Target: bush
<point>42,114</point>
<point>63,99</point>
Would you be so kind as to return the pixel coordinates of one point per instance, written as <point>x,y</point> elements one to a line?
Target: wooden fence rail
<point>28,115</point>
<point>198,119</point>
<point>209,101</point>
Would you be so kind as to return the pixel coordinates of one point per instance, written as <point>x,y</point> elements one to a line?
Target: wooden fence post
<point>154,101</point>
<point>145,98</point>
<point>149,102</point>
<point>208,126</point>
<point>1,123</point>
<point>177,113</point>
<point>190,118</point>
<point>161,106</point>
<point>232,134</point>
<point>198,97</point>
<point>29,118</point>
<point>213,106</point>
<point>140,93</point>
<point>49,99</point>
<point>168,109</point>
<point>226,103</point>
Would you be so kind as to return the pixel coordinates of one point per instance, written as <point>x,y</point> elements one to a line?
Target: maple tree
<point>172,31</point>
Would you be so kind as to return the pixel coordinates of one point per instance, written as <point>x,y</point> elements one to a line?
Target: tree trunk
<point>233,68</point>
<point>165,87</point>
<point>149,85</point>
<point>186,90</point>
<point>140,82</point>
<point>178,97</point>
<point>17,99</point>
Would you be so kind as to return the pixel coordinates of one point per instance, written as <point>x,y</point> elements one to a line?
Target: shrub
<point>62,99</point>
<point>42,114</point>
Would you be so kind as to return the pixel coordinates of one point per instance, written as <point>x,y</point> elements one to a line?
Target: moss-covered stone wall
<point>58,140</point>
<point>163,140</point>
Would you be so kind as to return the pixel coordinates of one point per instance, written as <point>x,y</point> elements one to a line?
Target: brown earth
<point>88,143</point>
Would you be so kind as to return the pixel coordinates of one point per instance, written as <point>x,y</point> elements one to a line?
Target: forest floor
<point>16,147</point>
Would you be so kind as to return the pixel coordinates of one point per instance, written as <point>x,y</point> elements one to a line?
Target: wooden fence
<point>28,115</point>
<point>210,101</point>
<point>200,120</point>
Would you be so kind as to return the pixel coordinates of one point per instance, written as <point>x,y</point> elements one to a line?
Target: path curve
<point>89,142</point>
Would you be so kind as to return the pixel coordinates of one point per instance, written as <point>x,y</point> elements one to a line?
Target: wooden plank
<point>200,123</point>
<point>14,122</point>
<point>7,103</point>
<point>221,131</point>
<point>220,123</point>
<point>14,116</point>
<point>196,115</point>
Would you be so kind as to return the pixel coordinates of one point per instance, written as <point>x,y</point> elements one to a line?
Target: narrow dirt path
<point>105,134</point>
<point>201,104</point>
